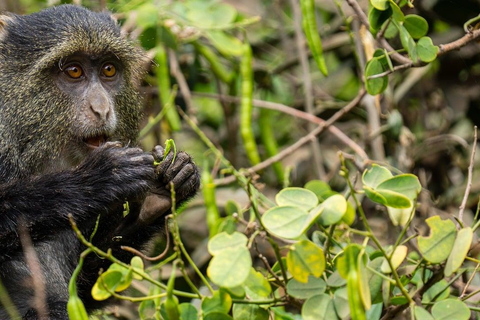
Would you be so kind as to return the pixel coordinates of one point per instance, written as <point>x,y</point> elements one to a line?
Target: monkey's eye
<point>109,70</point>
<point>74,71</point>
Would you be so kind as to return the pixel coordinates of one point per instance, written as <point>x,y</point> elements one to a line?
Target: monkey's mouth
<point>95,141</point>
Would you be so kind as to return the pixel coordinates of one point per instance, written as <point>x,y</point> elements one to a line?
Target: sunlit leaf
<point>422,314</point>
<point>220,301</point>
<point>223,240</point>
<point>460,249</point>
<point>437,246</point>
<point>319,307</point>
<point>230,267</point>
<point>301,290</point>
<point>249,312</point>
<point>450,309</point>
<point>305,258</point>
<point>334,208</point>
<point>398,256</point>
<point>299,197</point>
<point>427,52</point>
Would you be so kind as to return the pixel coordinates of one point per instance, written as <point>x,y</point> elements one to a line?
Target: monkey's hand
<point>115,173</point>
<point>179,171</point>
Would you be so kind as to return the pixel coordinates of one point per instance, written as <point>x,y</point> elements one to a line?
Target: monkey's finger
<point>183,176</point>
<point>158,152</point>
<point>169,169</point>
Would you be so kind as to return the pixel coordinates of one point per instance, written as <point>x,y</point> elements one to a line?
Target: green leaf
<point>137,265</point>
<point>223,240</point>
<point>225,43</point>
<point>220,301</point>
<point>305,258</point>
<point>439,291</point>
<point>397,13</point>
<point>450,309</point>
<point>400,216</point>
<point>380,4</point>
<point>299,197</point>
<point>460,249</point>
<point>427,52</point>
<point>348,259</point>
<point>349,216</point>
<point>437,246</point>
<point>422,314</point>
<point>377,18</point>
<point>334,208</point>
<point>232,207</point>
<point>249,312</point>
<point>407,42</point>
<point>377,85</point>
<point>289,222</point>
<point>109,279</point>
<point>397,258</point>
<point>405,184</point>
<point>374,280</point>
<point>217,316</point>
<point>188,311</point>
<point>375,175</point>
<point>257,286</point>
<point>417,26</point>
<point>320,188</point>
<point>335,280</point>
<point>340,301</point>
<point>230,267</point>
<point>319,307</point>
<point>301,290</point>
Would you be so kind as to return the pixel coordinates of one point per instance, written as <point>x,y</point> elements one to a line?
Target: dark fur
<point>45,175</point>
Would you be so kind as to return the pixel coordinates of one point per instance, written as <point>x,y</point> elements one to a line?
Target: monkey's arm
<point>107,177</point>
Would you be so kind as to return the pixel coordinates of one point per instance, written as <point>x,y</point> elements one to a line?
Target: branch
<point>309,137</point>
<point>470,176</point>
<point>297,114</point>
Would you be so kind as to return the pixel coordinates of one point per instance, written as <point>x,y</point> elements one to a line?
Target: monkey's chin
<point>95,141</point>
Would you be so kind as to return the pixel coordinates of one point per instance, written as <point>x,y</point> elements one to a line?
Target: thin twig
<point>300,142</point>
<point>307,83</point>
<point>182,82</point>
<point>297,114</point>
<point>470,176</point>
<point>158,257</point>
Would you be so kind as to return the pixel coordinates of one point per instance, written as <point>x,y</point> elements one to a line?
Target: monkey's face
<point>91,84</point>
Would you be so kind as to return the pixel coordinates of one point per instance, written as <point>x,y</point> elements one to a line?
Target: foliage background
<point>422,123</point>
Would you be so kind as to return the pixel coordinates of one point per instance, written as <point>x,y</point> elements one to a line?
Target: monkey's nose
<point>101,111</point>
<point>100,106</point>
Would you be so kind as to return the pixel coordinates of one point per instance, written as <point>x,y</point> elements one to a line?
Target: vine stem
<point>372,236</point>
<point>108,255</point>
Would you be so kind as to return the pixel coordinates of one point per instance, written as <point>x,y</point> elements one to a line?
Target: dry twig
<point>470,176</point>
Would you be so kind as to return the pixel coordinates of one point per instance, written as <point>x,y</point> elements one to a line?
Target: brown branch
<point>297,114</point>
<point>305,139</point>
<point>459,43</point>
<point>470,176</point>
<point>182,82</point>
<point>382,41</point>
<point>443,49</point>
<point>156,258</point>
<point>307,84</point>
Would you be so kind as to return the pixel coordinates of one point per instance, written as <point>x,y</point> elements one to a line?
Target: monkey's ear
<point>4,21</point>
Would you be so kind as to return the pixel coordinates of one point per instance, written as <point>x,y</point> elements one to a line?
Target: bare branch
<point>470,176</point>
<point>282,154</point>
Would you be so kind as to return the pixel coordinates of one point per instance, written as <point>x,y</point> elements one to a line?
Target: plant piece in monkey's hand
<point>177,169</point>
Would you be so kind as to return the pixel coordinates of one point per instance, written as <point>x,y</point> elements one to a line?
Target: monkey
<point>69,116</point>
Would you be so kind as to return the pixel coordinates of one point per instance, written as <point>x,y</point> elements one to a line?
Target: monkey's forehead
<point>45,37</point>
